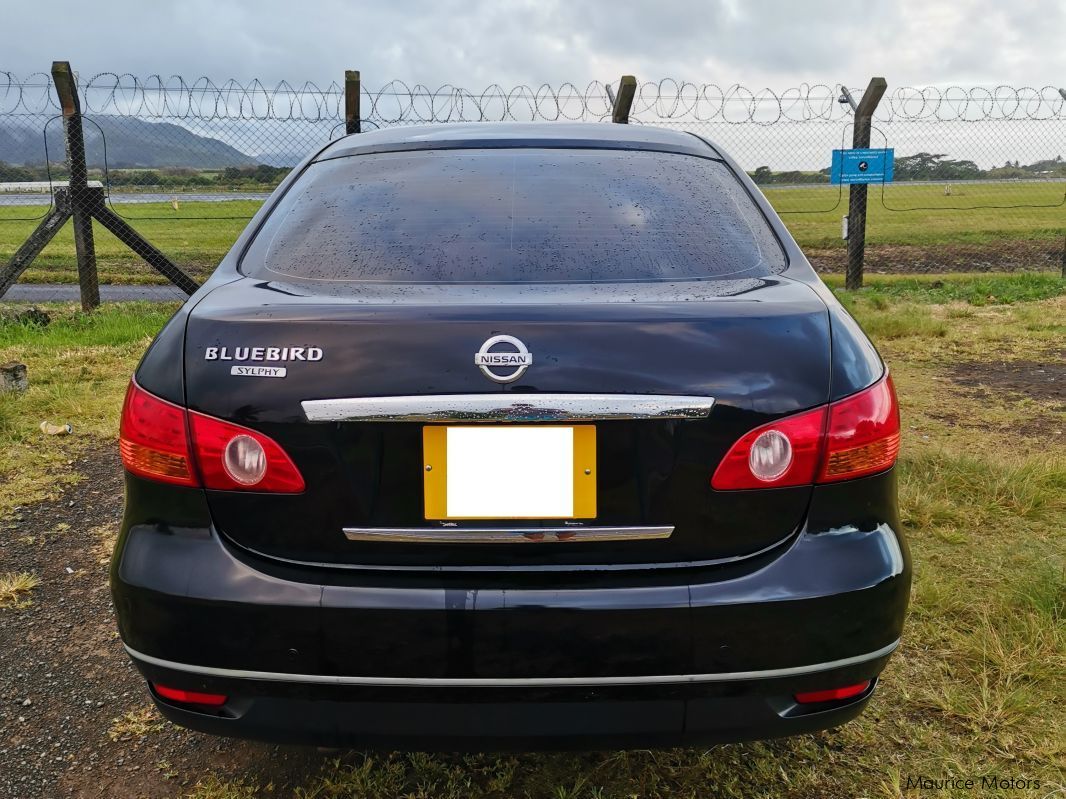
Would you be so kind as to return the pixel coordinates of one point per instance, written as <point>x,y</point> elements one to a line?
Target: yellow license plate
<point>510,471</point>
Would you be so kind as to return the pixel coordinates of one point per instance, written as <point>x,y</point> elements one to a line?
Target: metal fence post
<point>351,101</point>
<point>627,89</point>
<point>85,246</point>
<point>864,113</point>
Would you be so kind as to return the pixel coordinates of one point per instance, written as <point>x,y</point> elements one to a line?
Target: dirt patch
<point>74,718</point>
<point>1042,380</point>
<point>1037,426</point>
<point>1003,256</point>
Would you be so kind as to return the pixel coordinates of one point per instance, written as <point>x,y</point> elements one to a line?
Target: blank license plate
<point>510,472</point>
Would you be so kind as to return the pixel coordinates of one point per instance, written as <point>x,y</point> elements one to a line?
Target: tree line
<point>257,177</point>
<point>928,166</point>
<point>920,166</point>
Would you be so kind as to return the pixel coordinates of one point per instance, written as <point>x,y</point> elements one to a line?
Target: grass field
<point>195,237</point>
<point>977,688</point>
<point>941,220</point>
<point>198,234</point>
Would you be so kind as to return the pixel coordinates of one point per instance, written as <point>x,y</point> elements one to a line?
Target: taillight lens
<point>782,453</point>
<point>863,433</point>
<point>853,437</point>
<point>235,458</point>
<point>163,441</point>
<point>154,438</point>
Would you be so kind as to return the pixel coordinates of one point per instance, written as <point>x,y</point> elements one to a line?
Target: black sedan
<point>512,436</point>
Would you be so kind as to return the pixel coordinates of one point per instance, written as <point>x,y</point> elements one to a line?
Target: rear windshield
<point>515,216</point>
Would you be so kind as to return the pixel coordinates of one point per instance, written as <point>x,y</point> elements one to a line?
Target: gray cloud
<point>473,43</point>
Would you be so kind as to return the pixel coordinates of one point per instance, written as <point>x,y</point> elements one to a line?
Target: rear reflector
<point>853,437</point>
<point>163,441</point>
<point>847,692</point>
<point>189,697</point>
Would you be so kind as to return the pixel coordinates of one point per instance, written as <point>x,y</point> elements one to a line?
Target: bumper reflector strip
<point>189,697</point>
<point>831,694</point>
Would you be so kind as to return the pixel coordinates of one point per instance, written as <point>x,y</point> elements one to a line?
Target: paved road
<point>42,198</point>
<point>45,292</point>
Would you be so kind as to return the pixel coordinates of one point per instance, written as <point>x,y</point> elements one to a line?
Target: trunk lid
<point>759,347</point>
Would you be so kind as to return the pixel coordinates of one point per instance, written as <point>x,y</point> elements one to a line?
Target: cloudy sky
<point>474,43</point>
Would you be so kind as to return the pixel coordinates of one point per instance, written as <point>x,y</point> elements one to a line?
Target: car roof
<point>467,135</point>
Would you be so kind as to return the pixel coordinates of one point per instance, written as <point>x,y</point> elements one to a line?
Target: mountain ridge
<point>130,143</point>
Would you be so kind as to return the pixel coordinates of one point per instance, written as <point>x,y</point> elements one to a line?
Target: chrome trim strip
<point>511,682</point>
<point>503,535</point>
<point>561,568</point>
<point>507,407</point>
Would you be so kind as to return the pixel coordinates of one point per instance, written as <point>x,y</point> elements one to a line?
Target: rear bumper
<point>503,661</point>
<point>515,718</point>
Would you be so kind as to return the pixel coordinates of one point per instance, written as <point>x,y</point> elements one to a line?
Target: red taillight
<point>831,694</point>
<point>189,697</point>
<point>863,433</point>
<point>221,466</point>
<point>154,438</point>
<point>853,437</point>
<point>163,441</point>
<point>804,435</point>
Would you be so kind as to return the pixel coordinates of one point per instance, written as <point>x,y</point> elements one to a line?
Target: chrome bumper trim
<point>503,535</point>
<point>507,407</point>
<point>511,682</point>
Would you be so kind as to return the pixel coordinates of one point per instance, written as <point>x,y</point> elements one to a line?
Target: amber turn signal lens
<point>863,433</point>
<point>154,438</point>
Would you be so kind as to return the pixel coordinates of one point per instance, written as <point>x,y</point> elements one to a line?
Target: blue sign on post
<point>862,166</point>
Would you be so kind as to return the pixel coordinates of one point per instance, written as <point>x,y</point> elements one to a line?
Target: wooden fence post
<point>84,244</point>
<point>83,203</point>
<point>864,113</point>
<point>352,123</point>
<point>627,89</point>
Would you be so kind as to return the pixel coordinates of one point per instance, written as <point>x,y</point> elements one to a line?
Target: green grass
<point>198,234</point>
<point>973,289</point>
<point>195,237</point>
<point>78,367</point>
<point>1043,215</point>
<point>926,307</point>
<point>976,688</point>
<point>113,325</point>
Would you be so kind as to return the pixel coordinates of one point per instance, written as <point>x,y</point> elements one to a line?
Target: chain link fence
<point>980,176</point>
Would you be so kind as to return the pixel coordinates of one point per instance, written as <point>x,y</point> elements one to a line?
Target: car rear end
<point>512,443</point>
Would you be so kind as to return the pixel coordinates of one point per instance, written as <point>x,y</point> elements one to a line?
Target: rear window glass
<point>515,216</point>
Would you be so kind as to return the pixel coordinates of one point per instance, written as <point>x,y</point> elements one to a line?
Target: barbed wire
<point>397,102</point>
<point>166,153</point>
